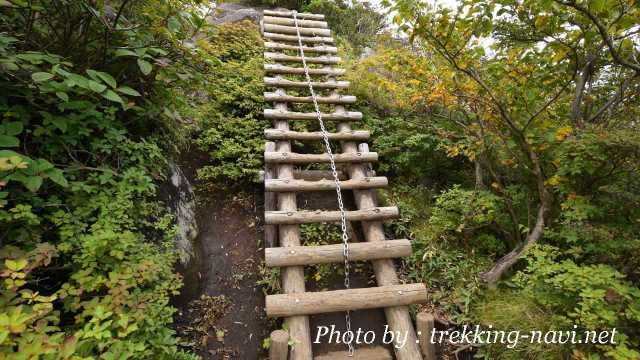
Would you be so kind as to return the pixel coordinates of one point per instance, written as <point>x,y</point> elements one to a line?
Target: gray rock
<point>230,13</point>
<point>182,203</point>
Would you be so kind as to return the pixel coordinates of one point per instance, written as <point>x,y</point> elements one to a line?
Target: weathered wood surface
<point>319,216</point>
<point>398,317</point>
<point>327,60</point>
<point>290,14</point>
<point>307,49</point>
<point>344,99</point>
<point>362,353</point>
<point>296,158</point>
<point>289,235</point>
<point>325,254</point>
<point>291,30</point>
<point>294,39</point>
<point>278,185</point>
<point>284,83</point>
<point>314,175</point>
<point>292,115</point>
<point>281,69</point>
<point>273,134</point>
<point>291,22</point>
<point>284,305</point>
<point>279,345</point>
<point>270,200</point>
<point>425,325</point>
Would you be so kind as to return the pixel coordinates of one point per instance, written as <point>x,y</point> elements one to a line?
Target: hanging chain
<point>334,172</point>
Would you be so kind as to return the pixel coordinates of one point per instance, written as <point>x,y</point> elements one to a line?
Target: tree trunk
<point>479,176</point>
<point>507,261</point>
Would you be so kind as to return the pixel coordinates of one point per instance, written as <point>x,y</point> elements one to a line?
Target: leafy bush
<point>229,115</point>
<point>88,97</point>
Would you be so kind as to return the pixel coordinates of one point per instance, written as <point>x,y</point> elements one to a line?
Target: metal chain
<point>336,179</point>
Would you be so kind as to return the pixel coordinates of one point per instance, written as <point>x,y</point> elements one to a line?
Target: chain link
<point>336,179</point>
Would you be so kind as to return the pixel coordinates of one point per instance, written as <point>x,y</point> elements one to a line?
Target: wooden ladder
<point>282,182</point>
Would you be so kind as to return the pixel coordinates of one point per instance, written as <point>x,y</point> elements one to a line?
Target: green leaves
<point>108,79</point>
<point>111,95</point>
<point>128,91</point>
<point>41,76</point>
<point>145,66</point>
<point>8,132</point>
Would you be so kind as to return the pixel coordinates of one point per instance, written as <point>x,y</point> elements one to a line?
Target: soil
<point>228,271</point>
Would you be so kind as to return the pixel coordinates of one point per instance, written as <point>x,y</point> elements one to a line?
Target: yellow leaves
<point>554,181</point>
<point>541,21</point>
<point>563,132</point>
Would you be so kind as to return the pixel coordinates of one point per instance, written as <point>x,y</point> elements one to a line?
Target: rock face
<point>182,203</point>
<point>230,13</point>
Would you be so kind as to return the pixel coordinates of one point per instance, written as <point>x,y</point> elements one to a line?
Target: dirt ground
<point>229,321</point>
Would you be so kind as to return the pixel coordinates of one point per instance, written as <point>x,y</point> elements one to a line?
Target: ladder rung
<point>328,60</point>
<point>290,14</point>
<point>319,216</point>
<point>307,49</point>
<point>284,305</point>
<point>280,29</point>
<point>294,39</point>
<point>281,69</point>
<point>314,175</point>
<point>333,99</point>
<point>291,22</point>
<point>326,254</point>
<point>291,185</point>
<point>292,115</point>
<point>278,82</point>
<point>362,353</point>
<point>277,134</point>
<point>296,158</point>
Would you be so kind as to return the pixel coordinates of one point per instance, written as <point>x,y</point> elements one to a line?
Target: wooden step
<point>291,22</point>
<point>361,353</point>
<point>278,82</point>
<point>333,99</point>
<point>319,216</point>
<point>284,305</point>
<point>315,175</point>
<point>281,69</point>
<point>327,60</point>
<point>294,38</point>
<point>296,158</point>
<point>290,14</point>
<point>292,115</point>
<point>326,254</point>
<point>307,49</point>
<point>276,134</point>
<point>291,30</point>
<point>291,185</point>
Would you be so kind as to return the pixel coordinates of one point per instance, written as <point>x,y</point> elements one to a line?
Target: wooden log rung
<point>314,175</point>
<point>290,14</point>
<point>297,158</point>
<point>294,38</point>
<point>320,216</point>
<point>309,303</point>
<point>281,69</point>
<point>326,254</point>
<point>354,135</point>
<point>327,60</point>
<point>333,99</point>
<point>278,82</point>
<point>291,30</point>
<point>292,115</point>
<point>289,185</point>
<point>291,22</point>
<point>307,49</point>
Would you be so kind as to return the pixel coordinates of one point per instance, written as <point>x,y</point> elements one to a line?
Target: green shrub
<point>229,116</point>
